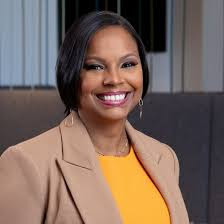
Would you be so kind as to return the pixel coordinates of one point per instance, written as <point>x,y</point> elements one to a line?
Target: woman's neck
<point>108,138</point>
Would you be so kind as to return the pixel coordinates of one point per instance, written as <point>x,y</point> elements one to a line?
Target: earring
<point>140,103</point>
<point>67,122</point>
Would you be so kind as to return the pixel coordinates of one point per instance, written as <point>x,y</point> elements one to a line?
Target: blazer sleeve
<point>20,189</point>
<point>175,162</point>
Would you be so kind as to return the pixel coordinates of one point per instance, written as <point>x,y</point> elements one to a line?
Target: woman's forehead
<point>115,39</point>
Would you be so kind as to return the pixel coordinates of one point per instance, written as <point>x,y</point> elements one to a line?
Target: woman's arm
<point>21,201</point>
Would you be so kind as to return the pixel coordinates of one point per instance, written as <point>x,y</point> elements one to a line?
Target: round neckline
<point>117,157</point>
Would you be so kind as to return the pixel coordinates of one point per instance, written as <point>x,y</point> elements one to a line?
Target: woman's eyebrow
<point>135,54</point>
<point>97,58</point>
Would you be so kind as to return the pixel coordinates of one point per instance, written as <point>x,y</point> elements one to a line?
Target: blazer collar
<point>83,175</point>
<point>78,148</point>
<point>77,145</point>
<point>79,152</point>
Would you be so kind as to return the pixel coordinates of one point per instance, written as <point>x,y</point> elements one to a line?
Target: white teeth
<point>122,96</point>
<point>114,97</point>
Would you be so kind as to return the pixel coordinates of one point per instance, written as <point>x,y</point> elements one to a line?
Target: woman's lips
<point>113,98</point>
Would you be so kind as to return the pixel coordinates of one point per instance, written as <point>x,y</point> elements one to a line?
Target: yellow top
<point>137,197</point>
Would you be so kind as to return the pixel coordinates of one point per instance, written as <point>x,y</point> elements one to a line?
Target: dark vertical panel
<point>149,19</point>
<point>60,22</point>
<point>159,25</point>
<point>112,5</point>
<point>100,5</point>
<point>147,16</point>
<point>77,8</point>
<point>130,10</point>
<point>147,24</point>
<point>216,196</point>
<point>86,6</point>
<point>105,5</point>
<point>70,12</point>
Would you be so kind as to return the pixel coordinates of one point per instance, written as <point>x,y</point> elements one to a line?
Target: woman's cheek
<point>136,80</point>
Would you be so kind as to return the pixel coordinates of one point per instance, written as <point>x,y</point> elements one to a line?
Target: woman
<point>94,167</point>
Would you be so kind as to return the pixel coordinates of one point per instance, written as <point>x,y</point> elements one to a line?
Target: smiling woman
<point>94,167</point>
<point>79,51</point>
<point>112,80</point>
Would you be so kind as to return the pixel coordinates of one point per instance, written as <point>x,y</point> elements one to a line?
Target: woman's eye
<point>128,64</point>
<point>93,67</point>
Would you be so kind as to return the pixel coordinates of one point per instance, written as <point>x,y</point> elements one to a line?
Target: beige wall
<point>213,45</point>
<point>187,45</point>
<point>193,46</point>
<point>198,45</point>
<point>178,45</point>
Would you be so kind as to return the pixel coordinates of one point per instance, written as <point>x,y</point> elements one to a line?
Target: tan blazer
<point>56,178</point>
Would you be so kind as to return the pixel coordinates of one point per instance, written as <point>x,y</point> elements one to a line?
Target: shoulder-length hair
<point>72,54</point>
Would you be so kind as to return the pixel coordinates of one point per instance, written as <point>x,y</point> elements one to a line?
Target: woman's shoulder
<point>48,138</point>
<point>40,148</point>
<point>165,154</point>
<point>159,146</point>
<point>29,164</point>
<point>153,146</point>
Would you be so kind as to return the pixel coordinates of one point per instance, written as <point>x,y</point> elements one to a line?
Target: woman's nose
<point>113,77</point>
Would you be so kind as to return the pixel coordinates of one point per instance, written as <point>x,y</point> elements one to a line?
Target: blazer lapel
<point>83,176</point>
<point>88,187</point>
<point>166,185</point>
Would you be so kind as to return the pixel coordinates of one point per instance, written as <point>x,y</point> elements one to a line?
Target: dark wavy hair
<point>73,50</point>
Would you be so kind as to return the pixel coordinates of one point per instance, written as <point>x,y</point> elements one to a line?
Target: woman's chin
<point>113,115</point>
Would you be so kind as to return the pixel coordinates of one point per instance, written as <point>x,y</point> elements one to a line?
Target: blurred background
<point>183,38</point>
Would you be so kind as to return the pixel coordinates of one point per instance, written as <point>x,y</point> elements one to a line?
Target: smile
<point>113,99</point>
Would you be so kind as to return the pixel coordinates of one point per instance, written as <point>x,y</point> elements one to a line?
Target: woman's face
<point>111,79</point>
